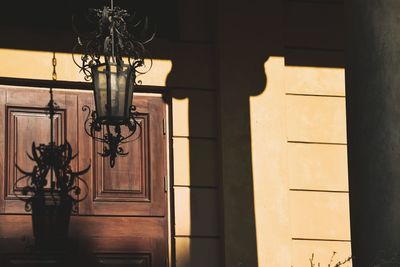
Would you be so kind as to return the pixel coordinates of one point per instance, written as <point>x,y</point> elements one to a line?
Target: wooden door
<point>123,221</point>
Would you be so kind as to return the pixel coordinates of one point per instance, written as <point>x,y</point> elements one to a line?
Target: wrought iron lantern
<point>113,58</point>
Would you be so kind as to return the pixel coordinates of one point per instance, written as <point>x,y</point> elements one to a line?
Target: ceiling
<point>49,18</point>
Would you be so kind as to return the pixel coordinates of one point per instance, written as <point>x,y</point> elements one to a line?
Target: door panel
<point>122,222</point>
<point>91,237</point>
<point>34,261</point>
<point>128,260</point>
<point>129,179</point>
<point>24,126</point>
<point>135,186</point>
<point>25,120</point>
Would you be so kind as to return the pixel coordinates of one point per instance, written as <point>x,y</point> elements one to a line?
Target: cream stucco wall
<point>271,183</point>
<point>38,65</point>
<point>300,166</point>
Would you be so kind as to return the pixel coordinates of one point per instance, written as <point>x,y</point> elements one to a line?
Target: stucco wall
<point>283,132</point>
<point>316,130</point>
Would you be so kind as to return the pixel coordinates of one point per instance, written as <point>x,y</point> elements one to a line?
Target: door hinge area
<point>165,184</point>
<point>164,127</point>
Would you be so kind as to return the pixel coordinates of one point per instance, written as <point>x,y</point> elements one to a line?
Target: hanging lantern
<point>113,59</point>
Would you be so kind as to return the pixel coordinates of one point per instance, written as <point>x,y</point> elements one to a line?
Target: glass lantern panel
<point>129,87</point>
<point>100,90</point>
<point>118,91</point>
<point>113,86</point>
<point>121,91</point>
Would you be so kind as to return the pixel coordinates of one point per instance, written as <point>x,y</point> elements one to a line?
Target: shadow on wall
<point>246,37</point>
<point>217,80</point>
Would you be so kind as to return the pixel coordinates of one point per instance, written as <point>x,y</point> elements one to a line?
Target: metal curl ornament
<point>113,58</point>
<point>111,135</point>
<point>112,41</point>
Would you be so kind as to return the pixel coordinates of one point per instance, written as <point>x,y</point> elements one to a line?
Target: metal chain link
<point>52,105</point>
<point>54,62</point>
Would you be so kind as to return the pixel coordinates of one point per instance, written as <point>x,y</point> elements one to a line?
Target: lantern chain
<point>54,63</point>
<point>52,110</point>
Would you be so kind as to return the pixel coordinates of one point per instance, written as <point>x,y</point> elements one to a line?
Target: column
<point>373,128</point>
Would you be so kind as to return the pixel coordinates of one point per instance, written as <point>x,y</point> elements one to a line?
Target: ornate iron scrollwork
<point>103,53</point>
<point>112,136</point>
<point>114,39</point>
